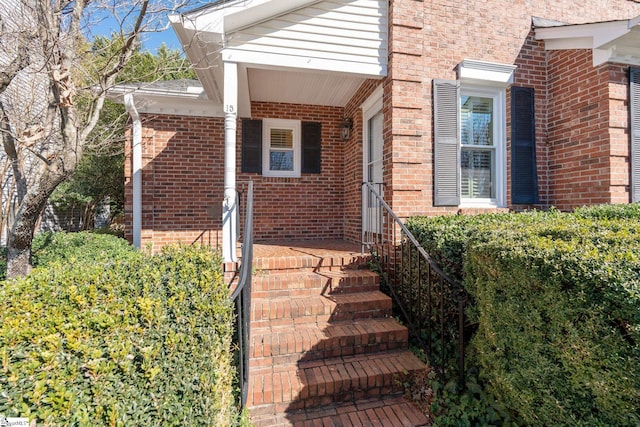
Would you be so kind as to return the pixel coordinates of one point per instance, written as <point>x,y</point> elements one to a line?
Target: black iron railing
<point>242,294</point>
<point>430,303</point>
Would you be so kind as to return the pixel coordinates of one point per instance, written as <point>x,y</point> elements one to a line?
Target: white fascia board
<point>173,102</point>
<point>178,107</point>
<point>269,60</point>
<point>582,36</point>
<point>601,37</point>
<point>117,92</point>
<point>231,16</point>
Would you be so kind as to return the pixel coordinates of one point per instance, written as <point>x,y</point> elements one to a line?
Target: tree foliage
<point>98,177</point>
<point>53,91</point>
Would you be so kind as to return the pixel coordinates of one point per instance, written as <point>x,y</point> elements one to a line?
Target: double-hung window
<point>482,146</point>
<point>470,139</point>
<point>281,147</point>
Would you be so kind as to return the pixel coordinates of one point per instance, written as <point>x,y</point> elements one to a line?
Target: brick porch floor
<point>324,347</point>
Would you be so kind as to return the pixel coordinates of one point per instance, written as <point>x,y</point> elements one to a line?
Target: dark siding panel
<point>252,146</point>
<point>524,173</point>
<point>311,147</point>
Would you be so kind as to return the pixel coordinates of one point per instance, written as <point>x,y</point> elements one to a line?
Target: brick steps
<point>318,309</point>
<point>278,345</point>
<point>321,382</point>
<point>386,412</point>
<point>309,262</point>
<point>324,349</point>
<point>313,283</point>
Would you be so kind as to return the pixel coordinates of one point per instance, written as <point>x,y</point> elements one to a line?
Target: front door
<point>372,218</point>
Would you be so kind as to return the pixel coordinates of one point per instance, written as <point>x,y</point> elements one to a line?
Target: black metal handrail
<point>430,302</point>
<point>242,296</point>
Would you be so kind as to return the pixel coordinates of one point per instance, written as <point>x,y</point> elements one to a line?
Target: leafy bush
<point>609,211</point>
<point>558,308</point>
<point>556,298</point>
<point>128,340</point>
<point>74,247</point>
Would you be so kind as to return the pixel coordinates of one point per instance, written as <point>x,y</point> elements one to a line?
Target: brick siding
<point>581,129</point>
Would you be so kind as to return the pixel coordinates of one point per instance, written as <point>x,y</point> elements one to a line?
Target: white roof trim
<point>471,70</point>
<point>611,41</point>
<point>244,32</point>
<point>150,100</point>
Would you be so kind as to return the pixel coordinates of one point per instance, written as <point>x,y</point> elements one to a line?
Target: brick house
<point>454,106</point>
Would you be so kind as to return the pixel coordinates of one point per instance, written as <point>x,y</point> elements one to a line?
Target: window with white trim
<point>470,136</point>
<point>281,148</point>
<point>482,146</point>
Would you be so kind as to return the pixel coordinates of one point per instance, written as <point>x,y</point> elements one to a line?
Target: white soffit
<point>172,97</point>
<point>611,41</point>
<point>302,87</point>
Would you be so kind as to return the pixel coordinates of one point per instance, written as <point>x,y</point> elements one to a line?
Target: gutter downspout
<point>136,172</point>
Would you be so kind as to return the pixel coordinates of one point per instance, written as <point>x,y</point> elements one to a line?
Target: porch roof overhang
<point>611,41</point>
<point>174,97</point>
<point>315,52</point>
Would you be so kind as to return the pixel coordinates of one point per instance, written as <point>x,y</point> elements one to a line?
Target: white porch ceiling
<point>301,87</point>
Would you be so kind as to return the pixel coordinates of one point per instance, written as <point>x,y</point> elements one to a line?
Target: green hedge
<point>556,298</point>
<point>558,312</point>
<point>82,246</point>
<point>71,247</point>
<point>130,340</point>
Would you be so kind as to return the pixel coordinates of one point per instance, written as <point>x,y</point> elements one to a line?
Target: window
<point>281,148</point>
<point>482,146</point>
<point>469,144</point>
<point>478,149</point>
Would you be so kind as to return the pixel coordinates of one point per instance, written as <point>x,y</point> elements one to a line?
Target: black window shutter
<point>446,147</point>
<point>524,173</point>
<point>251,146</point>
<point>311,152</point>
<point>634,105</point>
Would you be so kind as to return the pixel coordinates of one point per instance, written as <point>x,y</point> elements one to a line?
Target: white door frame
<point>370,107</point>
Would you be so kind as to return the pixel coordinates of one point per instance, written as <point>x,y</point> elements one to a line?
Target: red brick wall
<point>182,178</point>
<point>310,206</point>
<point>584,141</point>
<point>619,133</point>
<point>429,39</point>
<point>578,129</point>
<point>588,135</point>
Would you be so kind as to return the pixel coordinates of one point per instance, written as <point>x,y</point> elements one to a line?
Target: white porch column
<point>229,205</point>
<point>136,168</point>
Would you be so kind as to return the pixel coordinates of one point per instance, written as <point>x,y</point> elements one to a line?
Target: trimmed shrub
<point>130,340</point>
<point>558,309</point>
<point>609,211</point>
<point>556,301</point>
<point>92,246</point>
<point>73,247</point>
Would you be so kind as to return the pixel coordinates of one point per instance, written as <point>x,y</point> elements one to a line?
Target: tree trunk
<point>24,225</point>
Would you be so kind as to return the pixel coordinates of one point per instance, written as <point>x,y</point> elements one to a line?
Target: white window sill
<point>479,203</point>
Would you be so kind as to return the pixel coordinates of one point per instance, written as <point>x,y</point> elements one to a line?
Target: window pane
<point>477,173</point>
<point>281,138</point>
<point>281,160</point>
<point>476,120</point>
